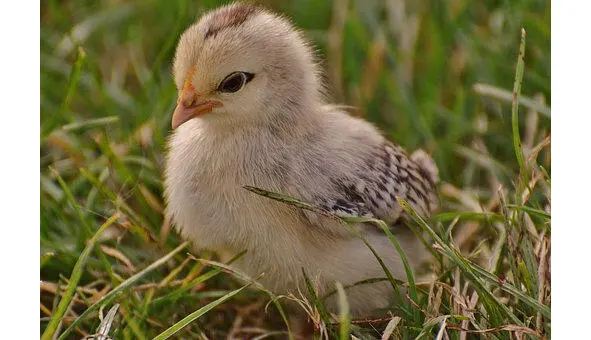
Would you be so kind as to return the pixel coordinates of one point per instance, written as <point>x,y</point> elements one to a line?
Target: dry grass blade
<point>506,96</point>
<point>542,280</point>
<point>390,327</point>
<point>508,328</point>
<point>106,324</point>
<point>442,332</point>
<point>115,253</point>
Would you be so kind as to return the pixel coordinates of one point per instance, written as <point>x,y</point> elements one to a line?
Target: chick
<point>252,111</point>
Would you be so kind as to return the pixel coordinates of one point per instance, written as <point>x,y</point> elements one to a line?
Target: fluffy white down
<point>205,176</point>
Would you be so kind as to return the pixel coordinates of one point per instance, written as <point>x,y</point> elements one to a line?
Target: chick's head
<point>240,64</point>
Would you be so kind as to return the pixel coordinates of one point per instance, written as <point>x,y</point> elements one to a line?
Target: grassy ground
<point>434,74</point>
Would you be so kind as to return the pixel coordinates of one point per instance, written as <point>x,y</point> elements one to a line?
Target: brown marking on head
<point>229,17</point>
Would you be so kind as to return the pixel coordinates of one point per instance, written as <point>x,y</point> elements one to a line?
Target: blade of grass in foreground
<point>197,314</point>
<point>73,282</point>
<point>515,108</point>
<point>107,298</point>
<point>344,316</point>
<point>531,211</point>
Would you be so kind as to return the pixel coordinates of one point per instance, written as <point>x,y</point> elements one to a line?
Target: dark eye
<point>235,81</point>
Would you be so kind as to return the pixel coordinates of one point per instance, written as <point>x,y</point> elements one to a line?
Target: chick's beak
<point>190,106</point>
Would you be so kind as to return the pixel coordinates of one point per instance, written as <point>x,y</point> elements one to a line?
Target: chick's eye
<point>235,81</point>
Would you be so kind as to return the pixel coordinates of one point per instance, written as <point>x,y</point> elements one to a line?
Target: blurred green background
<point>408,66</point>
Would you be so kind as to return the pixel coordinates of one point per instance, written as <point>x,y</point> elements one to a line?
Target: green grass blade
<point>531,211</point>
<point>197,314</point>
<point>362,282</point>
<point>515,107</point>
<point>285,199</point>
<point>73,79</point>
<point>344,315</point>
<point>56,318</point>
<point>120,203</point>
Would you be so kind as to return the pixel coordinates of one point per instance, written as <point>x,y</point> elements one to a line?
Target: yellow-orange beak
<point>189,106</point>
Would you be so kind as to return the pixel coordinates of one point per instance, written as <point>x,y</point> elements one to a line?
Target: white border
<point>19,159</point>
<point>571,155</point>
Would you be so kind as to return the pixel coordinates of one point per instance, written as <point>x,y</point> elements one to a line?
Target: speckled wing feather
<point>385,174</point>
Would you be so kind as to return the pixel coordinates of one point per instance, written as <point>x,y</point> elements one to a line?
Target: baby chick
<point>251,111</point>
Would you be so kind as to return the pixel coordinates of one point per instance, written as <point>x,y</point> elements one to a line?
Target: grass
<point>453,77</point>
